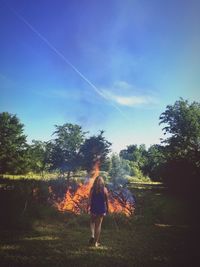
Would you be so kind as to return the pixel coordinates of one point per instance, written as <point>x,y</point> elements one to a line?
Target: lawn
<point>159,234</point>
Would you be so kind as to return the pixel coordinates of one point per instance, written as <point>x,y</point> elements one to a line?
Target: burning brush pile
<point>121,199</point>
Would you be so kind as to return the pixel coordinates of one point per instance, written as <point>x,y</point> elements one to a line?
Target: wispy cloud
<point>121,93</point>
<point>129,100</point>
<point>126,94</point>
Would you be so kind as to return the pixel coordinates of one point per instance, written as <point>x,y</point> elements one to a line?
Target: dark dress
<point>98,205</point>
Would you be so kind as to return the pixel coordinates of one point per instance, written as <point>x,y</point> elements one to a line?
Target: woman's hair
<point>98,185</point>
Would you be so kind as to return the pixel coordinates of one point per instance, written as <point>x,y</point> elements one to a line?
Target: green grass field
<point>157,235</point>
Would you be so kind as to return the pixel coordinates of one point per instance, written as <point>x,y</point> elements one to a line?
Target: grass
<point>31,175</point>
<point>57,245</point>
<point>159,234</point>
<point>79,175</point>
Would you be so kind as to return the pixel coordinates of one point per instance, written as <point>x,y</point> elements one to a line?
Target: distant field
<point>78,175</point>
<point>158,234</point>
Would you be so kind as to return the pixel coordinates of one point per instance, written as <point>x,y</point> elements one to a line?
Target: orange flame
<point>118,205</point>
<point>76,202</point>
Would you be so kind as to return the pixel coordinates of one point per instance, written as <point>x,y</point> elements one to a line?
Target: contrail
<point>59,54</point>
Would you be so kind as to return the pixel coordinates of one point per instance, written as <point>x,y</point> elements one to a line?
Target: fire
<point>76,202</point>
<point>118,203</point>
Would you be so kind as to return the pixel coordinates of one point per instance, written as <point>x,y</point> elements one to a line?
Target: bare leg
<point>92,225</point>
<point>97,232</point>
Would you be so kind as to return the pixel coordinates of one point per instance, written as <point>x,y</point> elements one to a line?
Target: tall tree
<point>183,129</point>
<point>65,147</point>
<point>95,148</point>
<point>13,146</point>
<point>182,150</point>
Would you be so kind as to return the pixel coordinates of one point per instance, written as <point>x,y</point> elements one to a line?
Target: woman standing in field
<point>98,204</point>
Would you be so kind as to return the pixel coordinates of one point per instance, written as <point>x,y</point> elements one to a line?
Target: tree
<point>135,153</point>
<point>137,157</point>
<point>13,146</point>
<point>38,154</point>
<point>130,153</point>
<point>65,148</point>
<point>154,159</point>
<point>95,148</point>
<point>182,150</point>
<point>183,128</point>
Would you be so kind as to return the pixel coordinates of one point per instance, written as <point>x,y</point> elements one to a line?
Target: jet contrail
<point>59,54</point>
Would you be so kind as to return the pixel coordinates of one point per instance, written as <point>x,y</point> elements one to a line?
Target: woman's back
<point>98,205</point>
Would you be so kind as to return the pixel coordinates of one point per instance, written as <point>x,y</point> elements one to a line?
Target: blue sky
<point>113,65</point>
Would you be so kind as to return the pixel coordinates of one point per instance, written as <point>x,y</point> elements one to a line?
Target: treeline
<point>68,151</point>
<point>176,161</point>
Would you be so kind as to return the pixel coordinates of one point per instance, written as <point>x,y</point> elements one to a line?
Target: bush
<point>182,177</point>
<point>24,201</point>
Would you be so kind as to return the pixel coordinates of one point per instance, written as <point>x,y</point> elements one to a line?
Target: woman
<point>98,204</point>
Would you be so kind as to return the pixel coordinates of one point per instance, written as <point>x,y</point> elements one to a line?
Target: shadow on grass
<point>58,245</point>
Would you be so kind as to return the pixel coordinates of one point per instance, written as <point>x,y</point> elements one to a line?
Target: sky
<point>109,65</point>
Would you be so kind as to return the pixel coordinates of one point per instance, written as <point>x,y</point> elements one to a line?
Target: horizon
<point>111,66</point>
